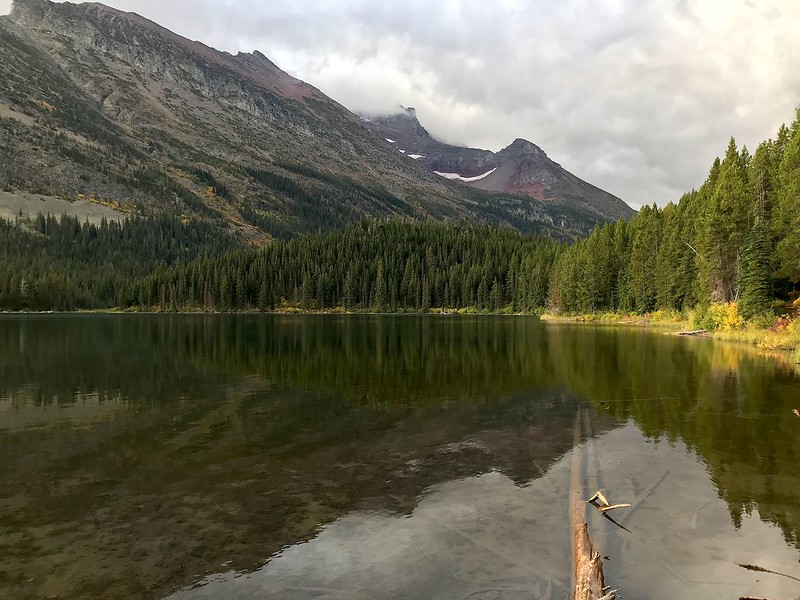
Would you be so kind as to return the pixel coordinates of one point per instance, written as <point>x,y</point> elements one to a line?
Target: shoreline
<point>781,344</point>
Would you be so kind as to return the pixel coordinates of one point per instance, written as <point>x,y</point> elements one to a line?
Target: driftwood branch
<point>758,569</point>
<point>600,502</point>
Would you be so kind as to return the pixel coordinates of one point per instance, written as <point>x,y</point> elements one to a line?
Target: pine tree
<point>379,293</point>
<point>348,291</point>
<point>426,295</point>
<point>724,227</point>
<point>645,233</point>
<point>786,222</point>
<point>756,292</point>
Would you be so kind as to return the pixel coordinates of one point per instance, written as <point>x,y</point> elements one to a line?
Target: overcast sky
<point>635,96</point>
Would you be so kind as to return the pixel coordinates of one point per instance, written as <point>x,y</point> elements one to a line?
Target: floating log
<point>589,583</point>
<point>694,332</point>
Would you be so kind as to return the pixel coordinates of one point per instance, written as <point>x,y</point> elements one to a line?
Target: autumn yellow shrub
<point>793,326</point>
<point>721,315</point>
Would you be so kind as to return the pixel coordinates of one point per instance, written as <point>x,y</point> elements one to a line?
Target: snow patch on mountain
<point>458,177</point>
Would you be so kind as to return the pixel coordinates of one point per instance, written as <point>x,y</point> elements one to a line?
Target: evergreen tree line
<point>50,263</point>
<point>736,238</point>
<point>376,265</point>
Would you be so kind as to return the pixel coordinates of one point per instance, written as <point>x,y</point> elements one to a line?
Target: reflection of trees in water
<point>386,361</point>
<point>728,404</point>
<point>229,438</point>
<point>298,420</point>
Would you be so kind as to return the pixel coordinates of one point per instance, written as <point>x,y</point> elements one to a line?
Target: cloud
<point>637,97</point>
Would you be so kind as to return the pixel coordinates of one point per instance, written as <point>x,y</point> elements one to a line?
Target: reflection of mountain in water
<point>192,441</point>
<point>226,439</point>
<point>486,537</point>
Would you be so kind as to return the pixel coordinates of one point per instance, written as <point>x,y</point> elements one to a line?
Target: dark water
<point>385,457</point>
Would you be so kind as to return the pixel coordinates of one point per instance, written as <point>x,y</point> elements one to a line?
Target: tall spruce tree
<point>724,227</point>
<point>645,232</point>
<point>786,221</point>
<point>756,292</point>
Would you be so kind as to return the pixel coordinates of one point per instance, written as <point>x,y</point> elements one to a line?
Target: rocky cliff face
<point>522,167</point>
<point>108,105</point>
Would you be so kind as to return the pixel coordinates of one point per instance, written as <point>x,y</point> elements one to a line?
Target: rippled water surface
<point>386,457</point>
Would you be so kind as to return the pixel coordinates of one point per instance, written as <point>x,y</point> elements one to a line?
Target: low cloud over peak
<point>636,97</point>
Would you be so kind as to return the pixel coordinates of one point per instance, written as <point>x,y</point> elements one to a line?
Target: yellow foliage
<point>725,315</point>
<point>669,316</point>
<point>793,326</point>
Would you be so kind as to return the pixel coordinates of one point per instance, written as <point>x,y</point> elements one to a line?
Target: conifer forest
<point>734,239</point>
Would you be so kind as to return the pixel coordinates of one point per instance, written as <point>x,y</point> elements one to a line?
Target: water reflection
<point>162,449</point>
<point>486,537</point>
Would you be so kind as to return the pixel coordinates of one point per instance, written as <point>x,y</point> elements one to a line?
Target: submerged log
<point>589,583</point>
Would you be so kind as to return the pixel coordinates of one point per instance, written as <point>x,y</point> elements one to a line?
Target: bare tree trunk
<point>588,583</point>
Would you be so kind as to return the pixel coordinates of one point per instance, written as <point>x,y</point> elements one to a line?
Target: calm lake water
<point>379,457</point>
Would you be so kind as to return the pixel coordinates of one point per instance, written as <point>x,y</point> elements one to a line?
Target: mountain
<point>522,167</point>
<point>101,104</point>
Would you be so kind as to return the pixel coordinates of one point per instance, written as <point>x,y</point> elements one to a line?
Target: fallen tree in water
<point>589,582</point>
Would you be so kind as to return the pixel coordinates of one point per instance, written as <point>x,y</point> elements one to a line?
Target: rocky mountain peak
<point>521,148</point>
<point>257,57</point>
<point>403,127</point>
<point>258,62</point>
<point>157,122</point>
<point>18,6</point>
<point>520,168</point>
<point>25,9</point>
<point>409,112</point>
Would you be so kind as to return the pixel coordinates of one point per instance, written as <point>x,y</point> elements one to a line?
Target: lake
<point>386,457</point>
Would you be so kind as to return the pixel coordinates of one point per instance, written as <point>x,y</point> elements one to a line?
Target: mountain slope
<point>108,105</point>
<point>521,167</point>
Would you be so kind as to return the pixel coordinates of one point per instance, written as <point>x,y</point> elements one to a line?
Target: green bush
<point>763,320</point>
<point>718,315</point>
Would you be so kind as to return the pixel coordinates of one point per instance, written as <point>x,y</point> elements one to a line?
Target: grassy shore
<point>781,337</point>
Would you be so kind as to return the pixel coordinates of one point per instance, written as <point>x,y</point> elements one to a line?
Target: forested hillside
<point>736,238</point>
<point>101,103</point>
<point>373,265</point>
<point>166,264</point>
<point>733,242</point>
<point>63,264</point>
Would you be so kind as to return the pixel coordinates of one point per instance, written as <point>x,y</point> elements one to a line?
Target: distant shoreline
<point>774,343</point>
<point>781,344</point>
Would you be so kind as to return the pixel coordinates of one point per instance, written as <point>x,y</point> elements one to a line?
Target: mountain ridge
<point>520,167</point>
<point>106,104</point>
